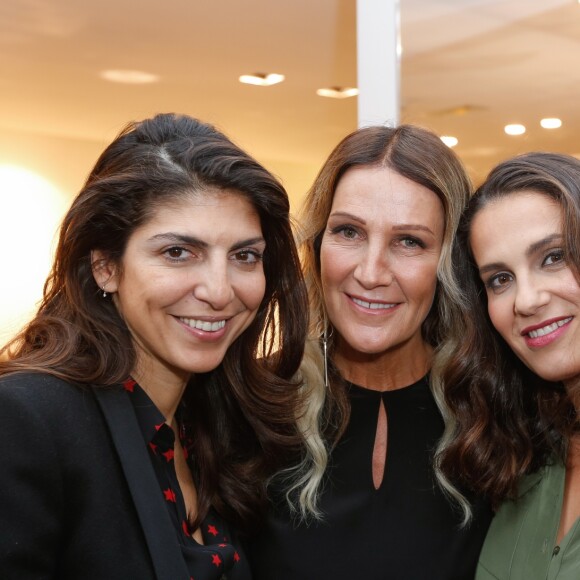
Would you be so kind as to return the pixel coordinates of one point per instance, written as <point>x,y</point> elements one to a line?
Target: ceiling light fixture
<point>337,92</point>
<point>449,140</point>
<point>129,77</point>
<point>551,122</point>
<point>515,129</point>
<point>262,79</point>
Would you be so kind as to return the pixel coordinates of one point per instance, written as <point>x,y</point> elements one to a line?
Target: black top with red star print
<point>220,556</point>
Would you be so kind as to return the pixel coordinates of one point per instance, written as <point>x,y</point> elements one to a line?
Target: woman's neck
<point>164,387</point>
<point>386,371</point>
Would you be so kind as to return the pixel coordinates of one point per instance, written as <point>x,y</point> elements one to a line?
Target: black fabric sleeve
<point>31,490</point>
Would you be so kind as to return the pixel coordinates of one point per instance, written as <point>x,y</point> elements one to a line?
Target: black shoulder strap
<point>160,533</point>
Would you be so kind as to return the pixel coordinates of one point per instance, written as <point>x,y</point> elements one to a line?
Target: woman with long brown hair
<point>149,400</point>
<point>514,430</point>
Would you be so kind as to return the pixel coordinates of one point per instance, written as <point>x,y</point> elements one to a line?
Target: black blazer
<point>78,494</point>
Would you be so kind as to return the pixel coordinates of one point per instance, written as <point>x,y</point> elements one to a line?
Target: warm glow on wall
<point>31,209</point>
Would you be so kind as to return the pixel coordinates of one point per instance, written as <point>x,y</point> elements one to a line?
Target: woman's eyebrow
<point>491,267</point>
<point>345,214</point>
<point>533,248</point>
<point>175,238</point>
<point>397,227</point>
<point>180,239</point>
<point>419,227</point>
<point>249,242</point>
<point>530,251</point>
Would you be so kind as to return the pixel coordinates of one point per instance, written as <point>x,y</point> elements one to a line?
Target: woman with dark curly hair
<point>515,378</point>
<point>148,402</point>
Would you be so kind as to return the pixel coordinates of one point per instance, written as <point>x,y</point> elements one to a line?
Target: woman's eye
<point>499,281</point>
<point>248,256</point>
<point>176,253</point>
<point>554,257</point>
<point>347,232</point>
<point>412,243</point>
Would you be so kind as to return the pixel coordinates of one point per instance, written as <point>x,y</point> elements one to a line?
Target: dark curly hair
<point>507,421</point>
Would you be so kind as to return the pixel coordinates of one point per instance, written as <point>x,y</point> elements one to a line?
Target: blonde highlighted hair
<point>419,155</point>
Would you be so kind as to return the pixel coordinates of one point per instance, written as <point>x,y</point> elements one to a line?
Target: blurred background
<point>73,73</point>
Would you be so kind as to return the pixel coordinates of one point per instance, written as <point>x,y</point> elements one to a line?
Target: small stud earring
<point>104,292</point>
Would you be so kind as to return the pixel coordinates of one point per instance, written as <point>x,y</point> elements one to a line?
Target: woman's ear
<point>105,272</point>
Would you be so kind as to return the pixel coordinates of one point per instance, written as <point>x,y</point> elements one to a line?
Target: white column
<point>378,60</point>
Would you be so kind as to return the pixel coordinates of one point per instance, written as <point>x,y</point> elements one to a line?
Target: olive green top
<point>521,542</point>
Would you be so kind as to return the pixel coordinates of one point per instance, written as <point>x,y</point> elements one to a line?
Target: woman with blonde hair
<point>378,226</point>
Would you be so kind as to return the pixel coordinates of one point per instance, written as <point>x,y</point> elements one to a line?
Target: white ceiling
<point>469,67</point>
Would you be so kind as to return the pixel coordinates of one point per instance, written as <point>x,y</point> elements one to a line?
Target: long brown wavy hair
<point>242,414</point>
<point>507,421</point>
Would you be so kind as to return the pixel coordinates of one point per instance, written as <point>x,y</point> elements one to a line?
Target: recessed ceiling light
<point>449,140</point>
<point>515,129</point>
<point>262,79</point>
<point>337,92</point>
<point>129,77</point>
<point>551,123</point>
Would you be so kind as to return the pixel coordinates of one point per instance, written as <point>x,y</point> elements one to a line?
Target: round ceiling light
<point>337,92</point>
<point>551,123</point>
<point>514,129</point>
<point>262,79</point>
<point>449,140</point>
<point>129,77</point>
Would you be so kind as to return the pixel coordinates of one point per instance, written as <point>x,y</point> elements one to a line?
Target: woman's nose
<point>374,269</point>
<point>531,296</point>
<point>214,285</point>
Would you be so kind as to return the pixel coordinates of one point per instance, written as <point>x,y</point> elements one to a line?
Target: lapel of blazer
<point>160,533</point>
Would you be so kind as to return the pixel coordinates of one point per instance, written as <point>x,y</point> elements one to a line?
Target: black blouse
<point>220,556</point>
<point>404,530</point>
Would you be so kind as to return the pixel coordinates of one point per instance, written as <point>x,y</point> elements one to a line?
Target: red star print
<point>157,427</point>
<point>129,385</point>
<point>212,530</point>
<point>169,494</point>
<point>236,557</point>
<point>215,559</point>
<point>153,447</point>
<point>169,454</point>
<point>222,545</point>
<point>185,528</point>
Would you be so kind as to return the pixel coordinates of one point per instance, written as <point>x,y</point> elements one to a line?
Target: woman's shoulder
<point>540,492</point>
<point>43,414</point>
<point>20,382</point>
<point>42,391</point>
<point>525,525</point>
